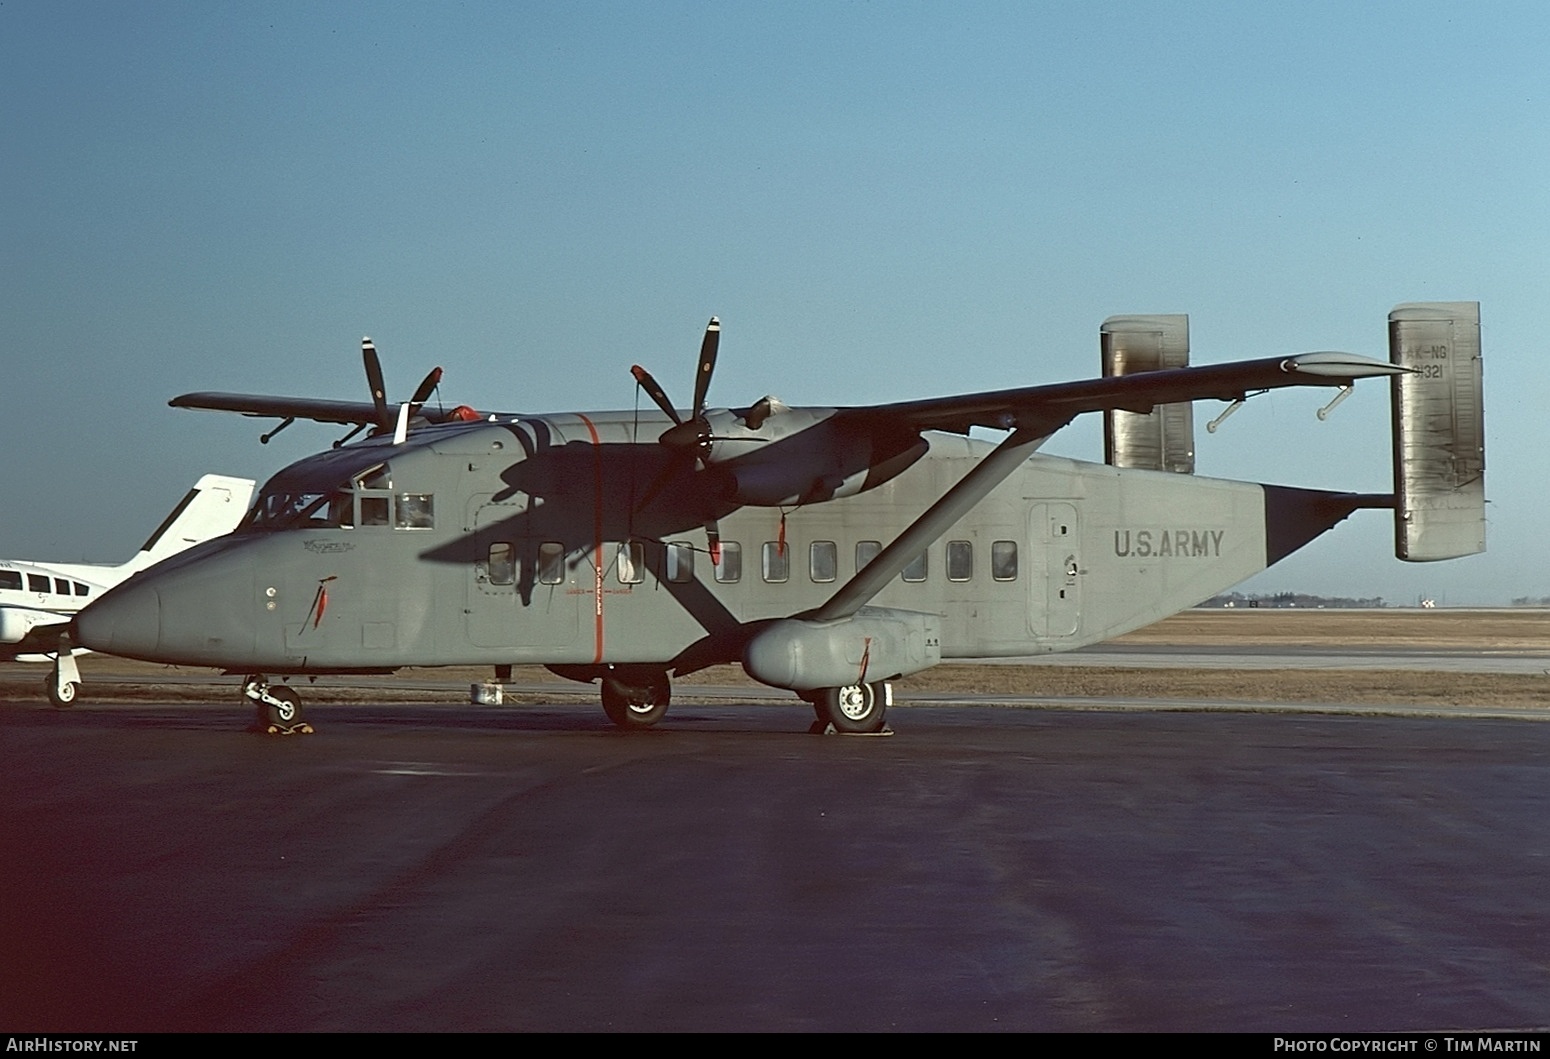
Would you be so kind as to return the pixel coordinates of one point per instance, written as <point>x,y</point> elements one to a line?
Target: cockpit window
<point>287,510</point>
<point>10,579</point>
<point>366,500</point>
<point>376,478</point>
<point>416,511</point>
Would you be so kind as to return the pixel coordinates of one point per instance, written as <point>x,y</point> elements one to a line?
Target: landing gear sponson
<point>636,697</point>
<point>277,708</point>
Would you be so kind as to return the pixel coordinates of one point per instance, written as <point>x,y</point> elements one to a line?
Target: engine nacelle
<point>799,457</point>
<point>876,643</point>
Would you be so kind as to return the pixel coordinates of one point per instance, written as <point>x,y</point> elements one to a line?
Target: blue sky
<point>880,200</point>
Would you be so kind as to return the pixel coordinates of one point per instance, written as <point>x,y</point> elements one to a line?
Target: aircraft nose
<point>126,621</point>
<point>193,609</point>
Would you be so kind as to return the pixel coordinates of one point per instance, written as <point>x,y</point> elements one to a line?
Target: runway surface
<point>529,868</point>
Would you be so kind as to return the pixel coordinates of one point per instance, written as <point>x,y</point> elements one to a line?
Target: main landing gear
<point>278,708</point>
<point>856,709</point>
<point>63,682</point>
<point>636,699</point>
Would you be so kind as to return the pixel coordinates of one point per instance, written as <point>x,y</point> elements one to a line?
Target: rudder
<point>1439,431</point>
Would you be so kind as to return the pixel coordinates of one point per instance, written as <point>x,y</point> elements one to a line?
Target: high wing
<point>357,413</point>
<point>378,413</point>
<point>1044,409</point>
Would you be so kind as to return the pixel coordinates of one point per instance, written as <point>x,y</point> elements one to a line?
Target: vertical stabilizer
<point>1439,431</point>
<point>1164,438</point>
<point>211,509</point>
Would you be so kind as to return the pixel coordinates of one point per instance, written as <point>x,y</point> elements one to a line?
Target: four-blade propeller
<point>385,415</point>
<point>689,439</point>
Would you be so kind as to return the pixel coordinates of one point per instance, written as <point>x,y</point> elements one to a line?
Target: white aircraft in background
<point>37,600</point>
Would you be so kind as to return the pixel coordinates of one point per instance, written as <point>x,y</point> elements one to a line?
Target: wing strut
<point>938,519</point>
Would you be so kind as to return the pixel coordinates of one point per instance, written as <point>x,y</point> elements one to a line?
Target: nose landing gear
<point>278,708</point>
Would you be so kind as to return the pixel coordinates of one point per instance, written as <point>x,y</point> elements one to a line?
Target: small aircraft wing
<point>38,640</point>
<point>1048,408</point>
<point>345,412</point>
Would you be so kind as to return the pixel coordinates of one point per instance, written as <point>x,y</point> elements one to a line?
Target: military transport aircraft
<point>37,600</point>
<point>828,550</point>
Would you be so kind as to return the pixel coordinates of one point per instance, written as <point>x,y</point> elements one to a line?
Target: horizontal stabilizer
<point>1439,431</point>
<point>1164,438</point>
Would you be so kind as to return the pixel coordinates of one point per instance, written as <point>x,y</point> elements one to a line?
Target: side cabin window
<point>502,564</point>
<point>11,579</point>
<point>960,560</point>
<point>680,562</point>
<point>551,563</point>
<point>729,571</point>
<point>631,564</point>
<point>80,589</point>
<point>1003,560</point>
<point>916,570</point>
<point>37,583</point>
<point>823,561</point>
<point>775,562</point>
<point>866,551</point>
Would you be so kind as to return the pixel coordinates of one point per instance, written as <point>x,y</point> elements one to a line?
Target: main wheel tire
<point>855,708</point>
<point>61,696</point>
<point>636,706</point>
<point>286,715</point>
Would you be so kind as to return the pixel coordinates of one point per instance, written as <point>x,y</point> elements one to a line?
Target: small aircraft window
<point>10,579</point>
<point>82,590</point>
<point>37,583</point>
<point>416,511</point>
<point>551,563</point>
<point>502,564</point>
<point>729,570</point>
<point>61,586</point>
<point>632,563</point>
<point>823,560</point>
<point>680,562</point>
<point>776,564</point>
<point>916,570</point>
<point>1003,560</point>
<point>866,551</point>
<point>960,560</point>
<point>374,510</point>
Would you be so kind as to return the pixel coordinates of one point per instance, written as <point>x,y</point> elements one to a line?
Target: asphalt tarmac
<point>529,868</point>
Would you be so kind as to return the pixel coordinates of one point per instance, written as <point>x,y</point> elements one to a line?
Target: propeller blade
<point>374,381</point>
<point>427,387</point>
<point>655,392</point>
<point>707,365</point>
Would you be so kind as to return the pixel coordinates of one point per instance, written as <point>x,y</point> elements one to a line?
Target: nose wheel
<point>277,708</point>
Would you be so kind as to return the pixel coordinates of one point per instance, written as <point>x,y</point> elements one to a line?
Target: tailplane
<point>211,509</point>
